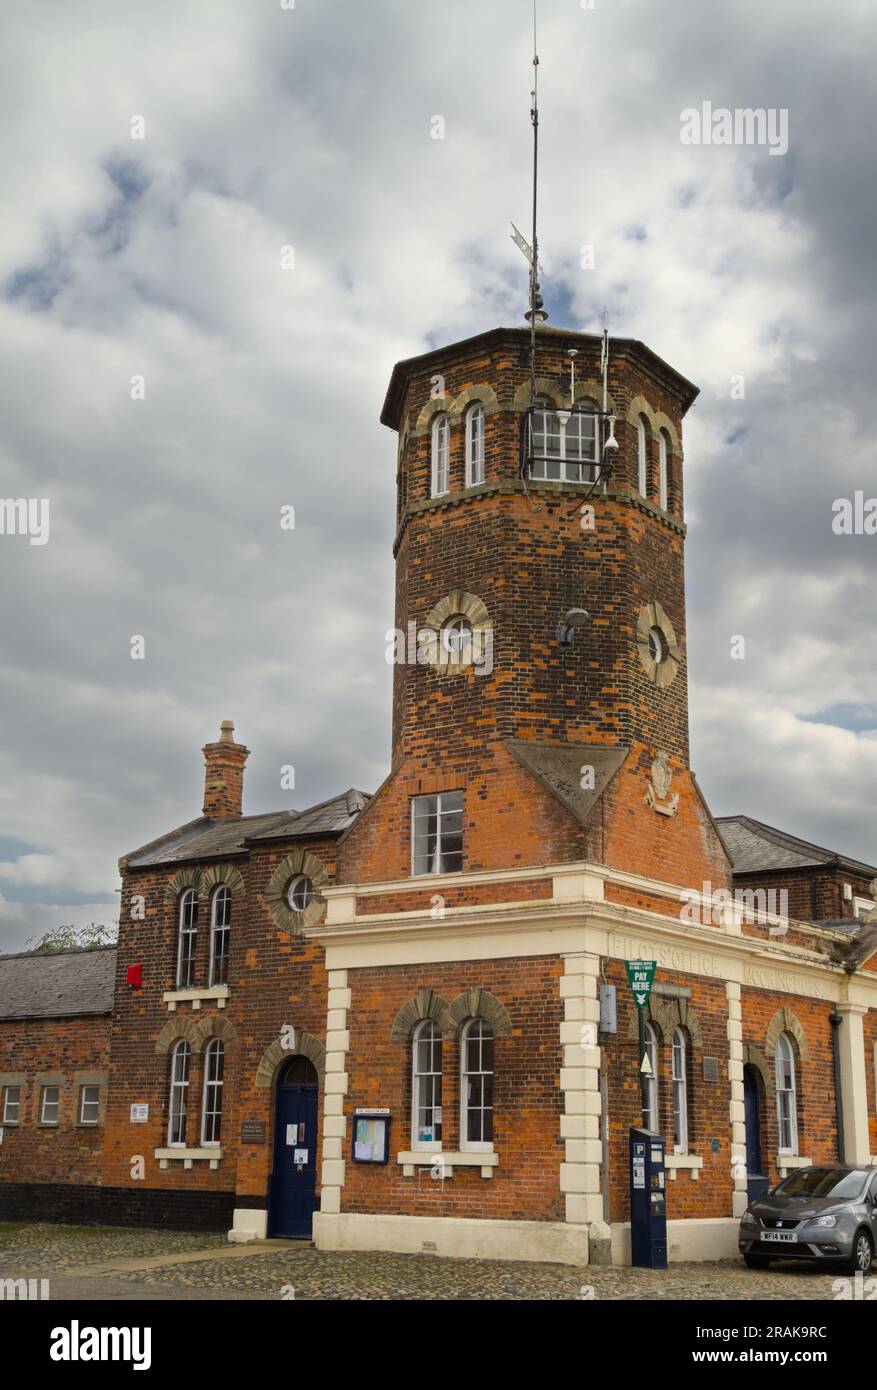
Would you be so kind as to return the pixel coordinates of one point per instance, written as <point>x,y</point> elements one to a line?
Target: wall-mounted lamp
<point>575,617</point>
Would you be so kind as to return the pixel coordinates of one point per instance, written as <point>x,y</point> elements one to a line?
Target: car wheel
<point>861,1255</point>
<point>756,1261</point>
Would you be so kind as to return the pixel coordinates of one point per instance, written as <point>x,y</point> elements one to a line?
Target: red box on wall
<point>135,976</point>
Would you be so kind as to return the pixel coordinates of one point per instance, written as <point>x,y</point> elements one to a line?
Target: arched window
<point>441,456</point>
<point>642,457</point>
<point>426,1090</point>
<point>177,1109</point>
<point>663,456</point>
<point>188,936</point>
<point>456,642</point>
<point>300,893</point>
<point>220,924</point>
<point>211,1108</point>
<point>680,1092</point>
<point>787,1097</point>
<point>476,1090</point>
<point>650,1081</point>
<point>475,446</point>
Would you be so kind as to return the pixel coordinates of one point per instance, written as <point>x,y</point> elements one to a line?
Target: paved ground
<point>114,1263</point>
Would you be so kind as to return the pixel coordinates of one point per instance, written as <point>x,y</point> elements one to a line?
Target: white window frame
<point>179,1084</point>
<point>475,417</point>
<point>187,927</point>
<point>663,455</point>
<point>468,1145</point>
<point>420,1082</point>
<point>212,1092</point>
<point>223,931</point>
<point>85,1102</point>
<point>56,1104</point>
<point>441,456</point>
<point>651,1113</point>
<point>642,458</point>
<point>8,1104</point>
<point>291,889</point>
<point>679,1073</point>
<point>785,1053</point>
<point>438,853</point>
<point>577,460</point>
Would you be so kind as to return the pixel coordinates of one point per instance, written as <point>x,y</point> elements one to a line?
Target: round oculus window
<point>299,893</point>
<point>657,645</point>
<point>457,641</point>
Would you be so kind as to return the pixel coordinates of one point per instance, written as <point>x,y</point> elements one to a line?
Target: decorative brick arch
<point>545,386</point>
<point>296,863</point>
<point>436,405</point>
<point>656,420</point>
<point>425,1004</point>
<point>754,1057</point>
<point>182,879</point>
<point>272,1059</point>
<point>221,875</point>
<point>590,392</point>
<point>197,1031</point>
<point>784,1021</point>
<point>667,1015</point>
<point>482,395</point>
<point>480,1003</point>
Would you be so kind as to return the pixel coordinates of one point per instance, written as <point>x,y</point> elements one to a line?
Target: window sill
<point>693,1162</point>
<point>426,1158</point>
<point>787,1163</point>
<point>188,1156</point>
<point>217,994</point>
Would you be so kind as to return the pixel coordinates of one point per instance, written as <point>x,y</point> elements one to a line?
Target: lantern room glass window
<point>563,445</point>
<point>437,833</point>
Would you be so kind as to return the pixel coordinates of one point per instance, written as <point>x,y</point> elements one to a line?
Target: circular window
<point>299,893</point>
<point>457,642</point>
<point>657,645</point>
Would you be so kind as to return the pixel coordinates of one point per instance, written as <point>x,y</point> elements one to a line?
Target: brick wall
<point>62,1050</point>
<point>527,1099</point>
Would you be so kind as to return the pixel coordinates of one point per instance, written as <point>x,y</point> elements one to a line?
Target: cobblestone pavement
<point>113,1263</point>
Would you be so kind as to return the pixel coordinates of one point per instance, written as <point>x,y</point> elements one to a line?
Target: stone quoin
<point>377,1020</point>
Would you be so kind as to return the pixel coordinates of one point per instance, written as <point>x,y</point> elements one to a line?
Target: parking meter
<point>648,1200</point>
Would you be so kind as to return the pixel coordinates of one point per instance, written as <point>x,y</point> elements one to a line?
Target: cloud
<point>310,128</point>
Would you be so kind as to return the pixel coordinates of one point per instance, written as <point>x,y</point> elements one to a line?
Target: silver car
<point>820,1213</point>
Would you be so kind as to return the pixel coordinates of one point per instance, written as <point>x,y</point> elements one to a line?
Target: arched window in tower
<point>220,931</point>
<point>475,446</point>
<point>179,1093</point>
<point>456,642</point>
<point>642,458</point>
<point>476,1089</point>
<point>663,458</point>
<point>680,1092</point>
<point>426,1089</point>
<point>211,1109</point>
<point>187,939</point>
<point>650,1081</point>
<point>787,1096</point>
<point>562,443</point>
<point>441,456</point>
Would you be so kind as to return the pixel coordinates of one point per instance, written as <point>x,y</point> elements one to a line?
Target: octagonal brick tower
<point>511,558</point>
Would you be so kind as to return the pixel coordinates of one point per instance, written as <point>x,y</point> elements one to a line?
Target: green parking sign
<point>640,974</point>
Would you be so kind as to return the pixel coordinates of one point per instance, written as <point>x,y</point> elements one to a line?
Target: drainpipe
<point>835,1020</point>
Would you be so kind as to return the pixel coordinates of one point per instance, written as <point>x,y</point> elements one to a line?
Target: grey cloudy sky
<point>311,127</point>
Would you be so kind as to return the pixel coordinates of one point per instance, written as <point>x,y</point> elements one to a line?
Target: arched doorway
<point>294,1176</point>
<point>756,1179</point>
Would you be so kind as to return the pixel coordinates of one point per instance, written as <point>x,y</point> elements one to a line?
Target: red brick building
<point>403,1021</point>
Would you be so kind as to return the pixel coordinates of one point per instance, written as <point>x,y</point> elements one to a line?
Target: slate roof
<point>758,848</point>
<point>205,838</point>
<point>58,984</point>
<point>558,766</point>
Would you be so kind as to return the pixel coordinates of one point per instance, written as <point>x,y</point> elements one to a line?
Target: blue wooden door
<point>294,1178</point>
<point>756,1180</point>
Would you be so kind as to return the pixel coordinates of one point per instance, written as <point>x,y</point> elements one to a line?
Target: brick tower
<point>506,523</point>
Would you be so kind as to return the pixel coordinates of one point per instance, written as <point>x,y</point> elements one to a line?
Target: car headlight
<point>748,1219</point>
<point>824,1221</point>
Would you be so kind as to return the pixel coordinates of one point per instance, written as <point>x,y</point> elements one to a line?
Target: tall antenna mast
<point>536,313</point>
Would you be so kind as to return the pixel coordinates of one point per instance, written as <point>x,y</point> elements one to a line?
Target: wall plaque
<point>253,1132</point>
